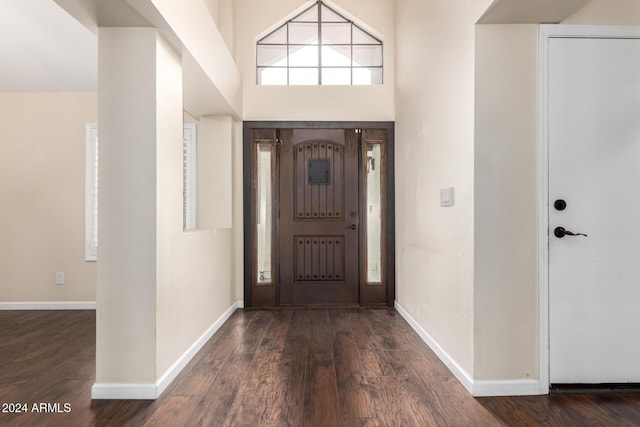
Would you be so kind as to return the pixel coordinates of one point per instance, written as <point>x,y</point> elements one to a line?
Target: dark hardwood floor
<point>305,367</point>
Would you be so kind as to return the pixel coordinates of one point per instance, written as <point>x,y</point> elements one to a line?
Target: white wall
<point>42,170</point>
<point>255,18</point>
<point>435,149</point>
<point>505,182</point>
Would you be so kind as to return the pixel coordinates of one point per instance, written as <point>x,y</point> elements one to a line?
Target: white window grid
<point>335,18</point>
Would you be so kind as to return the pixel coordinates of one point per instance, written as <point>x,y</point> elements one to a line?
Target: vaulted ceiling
<point>42,49</point>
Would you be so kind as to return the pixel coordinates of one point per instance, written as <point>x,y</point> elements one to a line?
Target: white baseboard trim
<point>477,388</point>
<point>124,391</point>
<point>153,391</point>
<point>48,305</point>
<point>524,387</point>
<point>453,366</point>
<point>173,371</point>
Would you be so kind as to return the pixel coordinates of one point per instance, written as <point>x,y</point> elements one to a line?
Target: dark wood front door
<point>319,218</point>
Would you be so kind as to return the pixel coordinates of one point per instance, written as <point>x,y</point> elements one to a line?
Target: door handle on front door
<point>560,232</point>
<point>352,226</point>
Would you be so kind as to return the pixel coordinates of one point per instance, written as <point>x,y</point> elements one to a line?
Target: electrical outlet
<point>59,278</point>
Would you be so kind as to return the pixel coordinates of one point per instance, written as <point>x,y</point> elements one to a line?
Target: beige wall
<point>226,23</point>
<point>505,214</point>
<point>505,266</point>
<point>434,150</point>
<point>212,80</point>
<point>42,157</point>
<point>170,298</point>
<point>219,184</point>
<point>214,9</point>
<point>214,170</point>
<point>194,285</point>
<point>222,14</point>
<point>465,100</point>
<point>238,213</point>
<point>467,274</point>
<point>607,12</point>
<point>172,285</point>
<point>126,298</point>
<point>254,18</point>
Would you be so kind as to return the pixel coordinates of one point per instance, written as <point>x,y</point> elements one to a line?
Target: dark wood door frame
<point>248,126</point>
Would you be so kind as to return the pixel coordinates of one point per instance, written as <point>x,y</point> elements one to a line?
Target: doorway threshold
<point>603,388</point>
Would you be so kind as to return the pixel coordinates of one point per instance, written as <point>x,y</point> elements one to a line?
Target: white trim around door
<point>548,32</point>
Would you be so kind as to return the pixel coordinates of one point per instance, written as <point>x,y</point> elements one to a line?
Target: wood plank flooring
<point>303,367</point>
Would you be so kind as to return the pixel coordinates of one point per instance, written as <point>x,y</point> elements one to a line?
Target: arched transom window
<point>319,46</point>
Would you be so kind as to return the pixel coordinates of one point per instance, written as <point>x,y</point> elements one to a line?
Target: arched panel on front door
<point>319,217</point>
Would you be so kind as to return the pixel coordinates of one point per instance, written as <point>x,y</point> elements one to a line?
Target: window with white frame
<point>319,46</point>
<point>91,185</point>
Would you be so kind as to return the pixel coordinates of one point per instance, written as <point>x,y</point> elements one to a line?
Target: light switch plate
<point>59,278</point>
<point>446,197</point>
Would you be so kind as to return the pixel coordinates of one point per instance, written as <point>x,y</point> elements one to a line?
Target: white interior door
<point>594,166</point>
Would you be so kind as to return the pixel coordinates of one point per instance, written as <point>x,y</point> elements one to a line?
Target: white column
<point>132,108</point>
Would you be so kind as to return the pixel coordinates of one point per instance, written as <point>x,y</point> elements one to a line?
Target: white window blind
<point>189,177</point>
<point>91,185</point>
<point>91,192</point>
